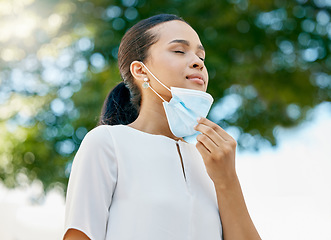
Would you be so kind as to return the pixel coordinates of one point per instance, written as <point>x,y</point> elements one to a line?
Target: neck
<point>152,119</point>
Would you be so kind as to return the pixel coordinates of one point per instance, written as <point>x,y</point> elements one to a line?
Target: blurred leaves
<point>269,63</point>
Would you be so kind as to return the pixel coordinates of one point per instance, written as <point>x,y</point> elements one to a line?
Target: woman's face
<point>177,58</point>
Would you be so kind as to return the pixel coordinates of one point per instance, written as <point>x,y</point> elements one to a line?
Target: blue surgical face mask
<point>185,106</point>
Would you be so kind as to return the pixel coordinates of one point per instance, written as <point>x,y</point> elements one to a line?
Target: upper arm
<point>74,234</point>
<point>91,184</point>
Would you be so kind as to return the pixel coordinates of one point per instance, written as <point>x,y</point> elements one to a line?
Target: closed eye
<point>182,52</point>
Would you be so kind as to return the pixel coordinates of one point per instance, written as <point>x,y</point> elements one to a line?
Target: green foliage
<point>268,62</point>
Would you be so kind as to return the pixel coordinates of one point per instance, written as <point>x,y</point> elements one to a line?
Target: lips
<point>197,78</point>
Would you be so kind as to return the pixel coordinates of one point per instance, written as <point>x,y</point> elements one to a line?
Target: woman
<point>134,176</point>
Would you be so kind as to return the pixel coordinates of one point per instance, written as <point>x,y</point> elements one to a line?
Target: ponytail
<point>118,108</point>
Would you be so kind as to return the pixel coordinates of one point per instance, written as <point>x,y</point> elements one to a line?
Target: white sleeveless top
<point>129,185</point>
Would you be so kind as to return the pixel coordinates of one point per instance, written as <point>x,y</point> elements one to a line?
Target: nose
<point>197,63</point>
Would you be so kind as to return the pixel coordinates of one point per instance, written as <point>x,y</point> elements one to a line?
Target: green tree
<point>268,62</point>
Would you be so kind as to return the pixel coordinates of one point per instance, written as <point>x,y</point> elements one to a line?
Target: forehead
<point>172,30</point>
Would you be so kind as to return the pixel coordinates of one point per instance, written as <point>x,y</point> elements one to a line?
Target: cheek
<point>207,75</point>
<point>173,68</point>
<point>176,68</point>
<point>174,62</point>
<point>167,64</point>
<point>205,72</point>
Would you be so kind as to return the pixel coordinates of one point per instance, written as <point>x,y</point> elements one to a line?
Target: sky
<point>287,189</point>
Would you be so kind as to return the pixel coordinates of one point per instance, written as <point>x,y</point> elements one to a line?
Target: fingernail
<point>198,119</point>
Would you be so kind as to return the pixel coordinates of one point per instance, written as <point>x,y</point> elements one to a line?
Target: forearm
<point>236,222</point>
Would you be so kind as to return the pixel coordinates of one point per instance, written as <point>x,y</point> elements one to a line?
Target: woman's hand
<point>218,150</point>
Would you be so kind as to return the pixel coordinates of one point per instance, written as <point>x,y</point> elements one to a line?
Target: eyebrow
<point>187,43</point>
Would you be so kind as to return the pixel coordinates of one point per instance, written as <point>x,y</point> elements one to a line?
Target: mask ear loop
<point>157,94</point>
<point>158,81</point>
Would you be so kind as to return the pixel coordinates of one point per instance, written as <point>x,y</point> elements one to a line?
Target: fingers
<point>207,127</point>
<point>202,149</point>
<point>207,142</point>
<point>218,150</point>
<point>209,138</point>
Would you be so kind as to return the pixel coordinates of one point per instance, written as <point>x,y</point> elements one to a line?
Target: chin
<point>197,87</point>
<point>193,86</point>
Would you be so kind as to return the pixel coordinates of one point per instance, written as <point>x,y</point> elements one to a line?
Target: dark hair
<point>123,102</point>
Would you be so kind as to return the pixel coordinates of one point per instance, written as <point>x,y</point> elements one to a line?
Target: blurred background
<point>269,65</point>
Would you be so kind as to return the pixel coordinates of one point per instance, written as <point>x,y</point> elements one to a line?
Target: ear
<point>137,71</point>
